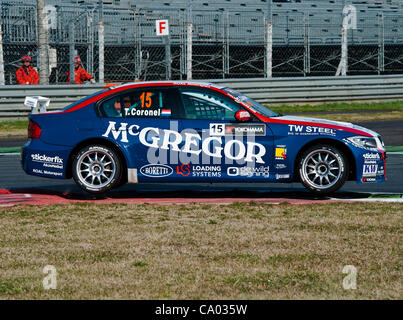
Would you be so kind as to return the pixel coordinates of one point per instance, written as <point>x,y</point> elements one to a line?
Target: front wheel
<point>323,169</point>
<point>97,169</point>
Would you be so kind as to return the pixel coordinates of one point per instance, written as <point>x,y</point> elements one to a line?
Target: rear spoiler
<point>37,104</point>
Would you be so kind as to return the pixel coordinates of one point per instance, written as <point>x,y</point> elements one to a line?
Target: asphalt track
<point>391,130</point>
<point>16,187</point>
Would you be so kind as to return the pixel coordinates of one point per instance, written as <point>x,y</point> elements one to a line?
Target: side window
<point>206,105</point>
<point>112,108</point>
<point>150,104</point>
<point>154,103</point>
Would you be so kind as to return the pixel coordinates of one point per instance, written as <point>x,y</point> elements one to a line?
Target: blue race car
<point>195,132</point>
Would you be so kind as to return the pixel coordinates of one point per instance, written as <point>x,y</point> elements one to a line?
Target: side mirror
<point>242,116</point>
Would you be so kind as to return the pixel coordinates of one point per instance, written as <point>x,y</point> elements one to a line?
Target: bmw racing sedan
<point>194,132</point>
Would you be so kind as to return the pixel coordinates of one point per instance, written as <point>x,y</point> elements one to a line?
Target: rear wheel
<point>97,169</point>
<point>323,169</point>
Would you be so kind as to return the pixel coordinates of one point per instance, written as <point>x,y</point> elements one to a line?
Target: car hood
<point>328,123</point>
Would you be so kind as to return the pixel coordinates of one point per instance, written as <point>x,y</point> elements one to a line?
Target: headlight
<point>367,142</point>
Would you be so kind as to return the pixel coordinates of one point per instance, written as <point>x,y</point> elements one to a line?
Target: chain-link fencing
<point>218,44</point>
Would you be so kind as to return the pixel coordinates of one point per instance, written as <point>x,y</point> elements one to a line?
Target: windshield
<point>252,103</point>
<point>83,99</point>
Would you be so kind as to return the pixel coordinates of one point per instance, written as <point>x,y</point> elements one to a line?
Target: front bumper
<point>371,167</point>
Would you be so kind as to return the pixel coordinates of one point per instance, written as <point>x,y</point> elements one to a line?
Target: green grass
<point>197,251</point>
<point>10,150</point>
<point>341,107</point>
<point>385,196</point>
<point>8,125</point>
<point>394,149</point>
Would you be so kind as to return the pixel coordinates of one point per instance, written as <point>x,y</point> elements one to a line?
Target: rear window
<point>84,99</point>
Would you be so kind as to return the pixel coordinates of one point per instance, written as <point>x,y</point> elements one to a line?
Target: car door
<point>139,120</point>
<point>229,150</point>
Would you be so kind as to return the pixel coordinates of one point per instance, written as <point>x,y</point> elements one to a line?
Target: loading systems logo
<point>201,171</point>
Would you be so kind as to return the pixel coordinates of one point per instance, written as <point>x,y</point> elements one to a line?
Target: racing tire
<point>323,169</point>
<point>97,169</point>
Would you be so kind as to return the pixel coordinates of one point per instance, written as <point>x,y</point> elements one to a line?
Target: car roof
<point>170,83</point>
<point>131,85</point>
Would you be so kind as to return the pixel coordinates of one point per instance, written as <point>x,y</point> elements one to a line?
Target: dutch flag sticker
<point>166,112</point>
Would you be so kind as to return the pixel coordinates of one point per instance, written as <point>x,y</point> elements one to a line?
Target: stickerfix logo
<point>369,170</point>
<point>371,157</point>
<point>156,170</point>
<point>221,129</point>
<point>50,162</point>
<point>44,158</point>
<point>203,171</point>
<point>249,172</point>
<point>191,143</point>
<point>280,153</point>
<point>301,130</point>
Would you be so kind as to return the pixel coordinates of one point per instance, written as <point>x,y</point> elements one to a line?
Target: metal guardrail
<point>12,97</point>
<point>268,91</point>
<point>310,90</point>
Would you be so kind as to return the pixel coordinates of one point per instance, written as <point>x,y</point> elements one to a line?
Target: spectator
<point>26,74</point>
<point>80,75</point>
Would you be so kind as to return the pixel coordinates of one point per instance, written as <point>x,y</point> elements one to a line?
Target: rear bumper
<point>44,160</point>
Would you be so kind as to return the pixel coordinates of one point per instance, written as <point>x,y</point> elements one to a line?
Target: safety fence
<point>267,91</point>
<point>202,44</point>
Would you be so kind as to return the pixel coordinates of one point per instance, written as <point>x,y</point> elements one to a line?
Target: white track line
<point>372,200</point>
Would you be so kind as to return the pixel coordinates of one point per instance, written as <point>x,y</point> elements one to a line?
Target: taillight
<point>34,130</point>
